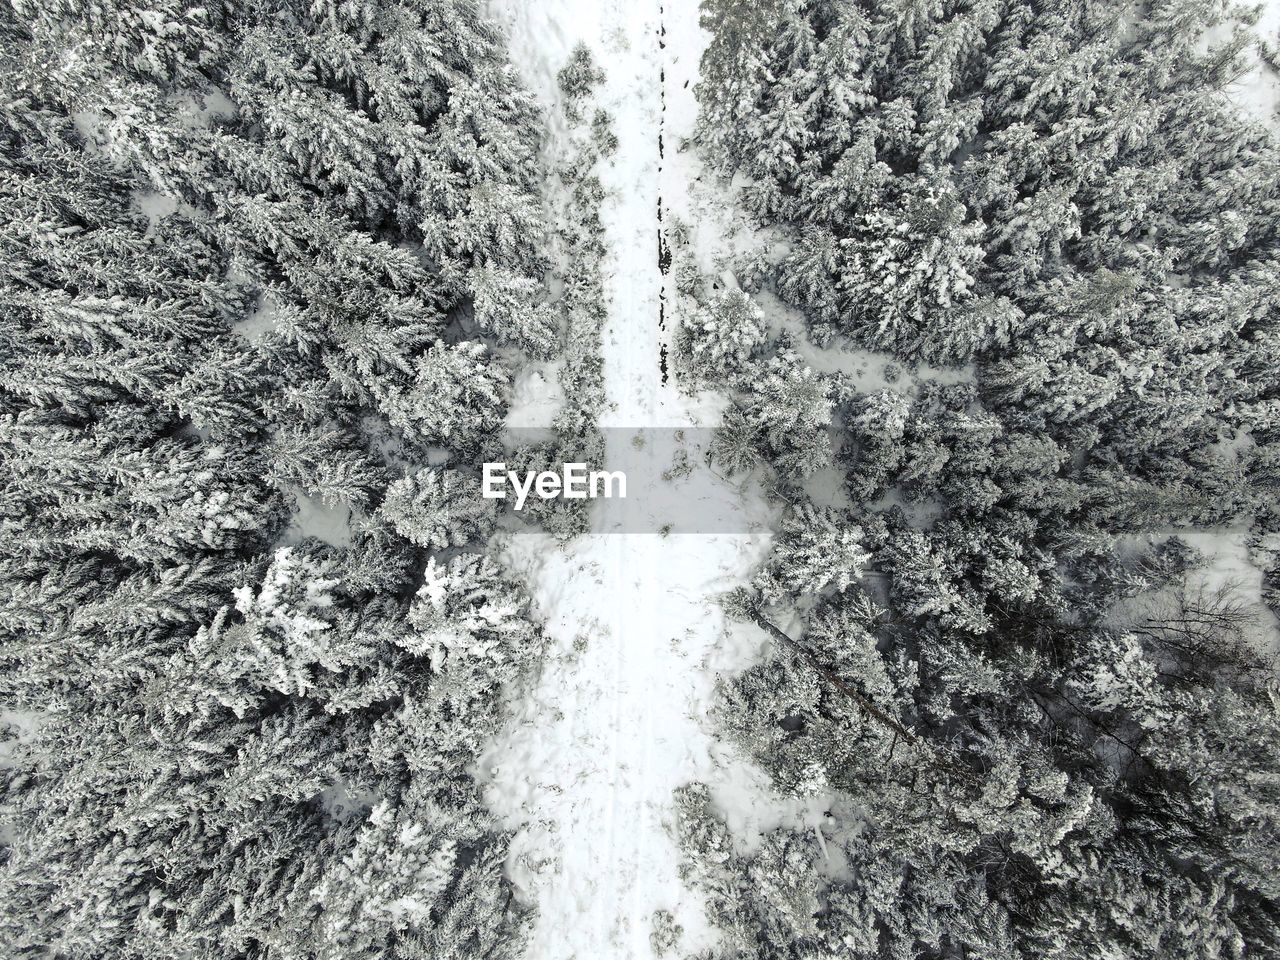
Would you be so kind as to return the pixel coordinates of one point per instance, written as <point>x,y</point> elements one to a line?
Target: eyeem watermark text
<point>573,482</point>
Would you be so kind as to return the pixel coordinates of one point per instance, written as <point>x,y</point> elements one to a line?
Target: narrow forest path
<point>619,716</point>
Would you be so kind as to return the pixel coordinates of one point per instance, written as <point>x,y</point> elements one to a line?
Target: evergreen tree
<point>246,742</point>
<point>1044,737</point>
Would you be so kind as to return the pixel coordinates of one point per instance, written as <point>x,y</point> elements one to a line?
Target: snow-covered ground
<point>1257,90</point>
<point>619,716</point>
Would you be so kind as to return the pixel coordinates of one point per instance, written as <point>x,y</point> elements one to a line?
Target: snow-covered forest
<point>964,313</point>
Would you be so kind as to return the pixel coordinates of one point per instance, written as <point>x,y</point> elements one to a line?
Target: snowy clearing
<point>1257,91</point>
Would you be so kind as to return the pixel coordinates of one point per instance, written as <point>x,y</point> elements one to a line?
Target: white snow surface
<point>312,517</point>
<point>1229,571</point>
<point>619,716</point>
<point>1257,91</point>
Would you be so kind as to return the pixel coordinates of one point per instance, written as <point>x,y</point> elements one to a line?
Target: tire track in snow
<point>664,249</point>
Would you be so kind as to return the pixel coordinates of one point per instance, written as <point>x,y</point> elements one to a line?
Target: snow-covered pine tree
<point>250,252</point>
<point>1061,195</point>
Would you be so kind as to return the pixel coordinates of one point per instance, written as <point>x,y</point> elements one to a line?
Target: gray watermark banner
<point>659,480</point>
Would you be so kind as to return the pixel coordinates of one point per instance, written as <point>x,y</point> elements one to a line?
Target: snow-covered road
<point>619,715</point>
